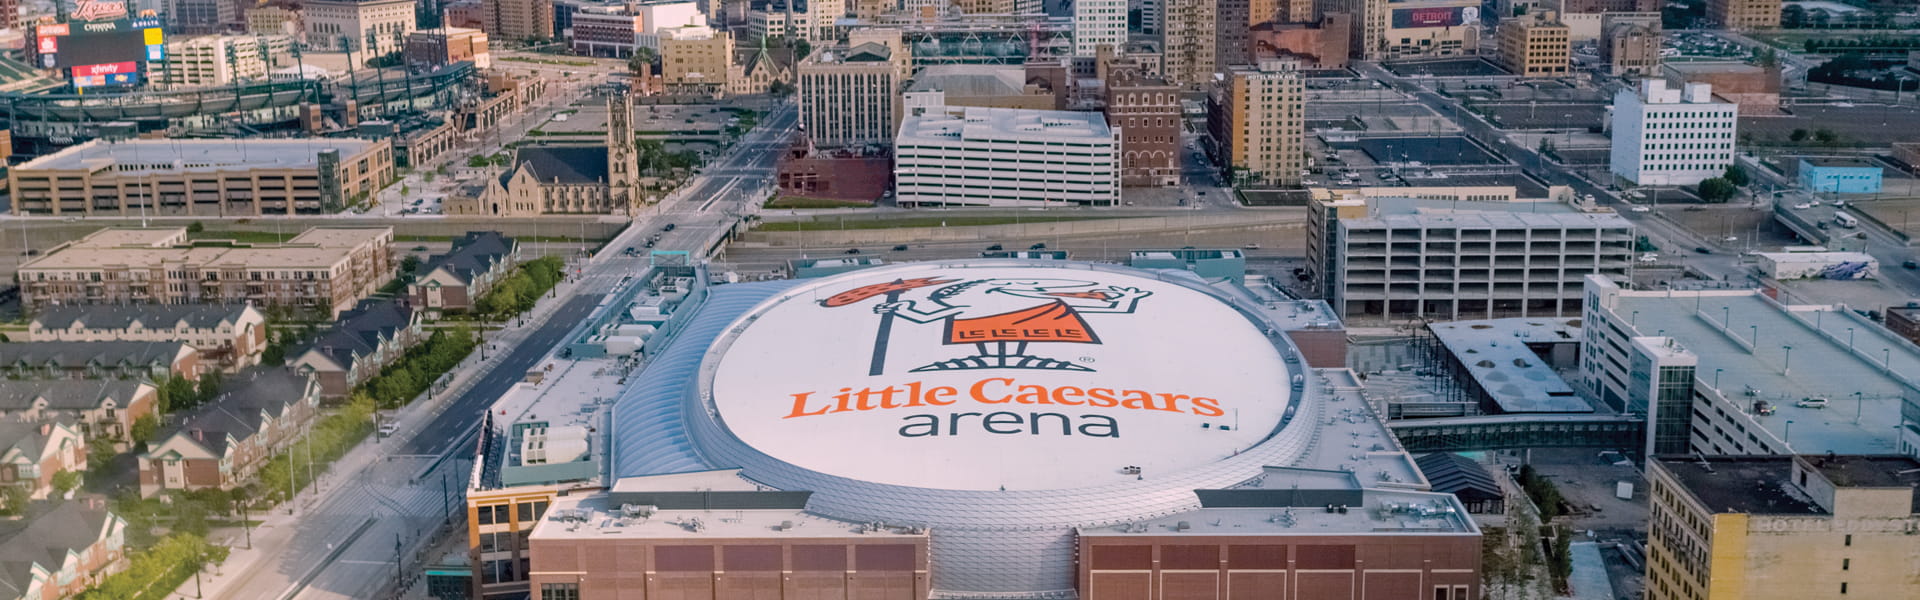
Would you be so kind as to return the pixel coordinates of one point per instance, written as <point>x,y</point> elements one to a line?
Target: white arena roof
<point>1005,378</point>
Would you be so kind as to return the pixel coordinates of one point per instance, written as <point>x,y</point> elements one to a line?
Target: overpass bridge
<point>1513,432</point>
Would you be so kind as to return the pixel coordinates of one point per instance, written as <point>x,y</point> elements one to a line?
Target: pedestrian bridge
<point>1510,432</point>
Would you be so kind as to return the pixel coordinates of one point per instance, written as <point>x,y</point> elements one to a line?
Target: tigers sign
<point>1005,376</point>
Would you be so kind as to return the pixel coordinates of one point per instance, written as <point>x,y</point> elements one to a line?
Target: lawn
<point>805,202</point>
<point>246,237</point>
<point>936,221</point>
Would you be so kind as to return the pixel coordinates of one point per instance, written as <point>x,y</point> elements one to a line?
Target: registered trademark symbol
<point>1085,359</point>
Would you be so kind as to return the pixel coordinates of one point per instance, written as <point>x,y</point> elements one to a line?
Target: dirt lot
<point>1869,124</point>
<point>1756,229</point>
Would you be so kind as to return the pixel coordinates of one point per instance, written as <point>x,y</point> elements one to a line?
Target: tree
<point>1826,137</point>
<point>409,264</point>
<point>65,481</point>
<point>274,356</point>
<point>1717,190</point>
<point>143,429</point>
<point>207,388</point>
<point>642,63</point>
<point>1736,175</point>
<point>1798,135</point>
<point>196,227</point>
<point>779,88</point>
<point>13,500</point>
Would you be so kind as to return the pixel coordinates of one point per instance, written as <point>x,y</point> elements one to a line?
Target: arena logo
<point>1000,337</point>
<point>94,10</point>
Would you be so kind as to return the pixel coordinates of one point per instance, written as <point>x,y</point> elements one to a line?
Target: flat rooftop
<point>970,80</point>
<point>593,516</point>
<point>1382,512</point>
<point>169,155</point>
<point>1005,124</point>
<point>1835,354</point>
<point>1494,352</point>
<point>1388,213</point>
<point>1742,484</point>
<point>1832,161</point>
<point>1884,471</point>
<point>128,248</point>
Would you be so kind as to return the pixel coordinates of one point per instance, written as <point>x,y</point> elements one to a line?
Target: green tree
<point>1717,190</point>
<point>409,264</point>
<point>13,500</point>
<point>207,388</point>
<point>1798,135</point>
<point>65,481</point>
<point>780,89</point>
<point>1736,175</point>
<point>642,62</point>
<point>477,161</point>
<point>274,355</point>
<point>1826,137</point>
<point>143,429</point>
<point>196,227</point>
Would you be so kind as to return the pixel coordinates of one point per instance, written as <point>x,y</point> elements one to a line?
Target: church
<point>545,179</point>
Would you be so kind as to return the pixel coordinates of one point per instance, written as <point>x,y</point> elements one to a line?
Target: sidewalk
<point>272,538</point>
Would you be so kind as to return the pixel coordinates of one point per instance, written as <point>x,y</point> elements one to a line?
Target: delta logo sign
<point>923,368</point>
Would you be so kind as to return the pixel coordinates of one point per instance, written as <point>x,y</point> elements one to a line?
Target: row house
<point>98,360</point>
<point>229,337</point>
<point>221,444</point>
<point>366,340</point>
<point>31,453</point>
<point>101,408</point>
<point>455,280</point>
<point>61,552</point>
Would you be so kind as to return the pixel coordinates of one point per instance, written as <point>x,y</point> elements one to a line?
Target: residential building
<point>470,14</point>
<point>1280,11</point>
<point>605,31</point>
<point>1535,45</point>
<point>214,60</point>
<point>1632,49</point>
<point>364,341</point>
<point>367,28</point>
<point>104,408</point>
<point>991,86</point>
<point>562,178</point>
<point>1775,527</point>
<point>1191,39</point>
<point>452,282</point>
<point>1393,259</point>
<point>61,552</point>
<point>1007,157</point>
<point>1099,23</point>
<point>849,96</point>
<point>32,453</point>
<point>772,544</point>
<point>1840,175</point>
<point>447,45</point>
<point>1742,15</point>
<point>1369,24</point>
<point>1755,88</point>
<point>1734,372</point>
<point>1257,117</point>
<point>1422,28</point>
<point>228,336</point>
<point>223,443</point>
<point>694,60</point>
<point>212,178</point>
<point>1667,136</point>
<point>99,360</point>
<point>1146,112</point>
<point>1153,15</point>
<point>325,269</point>
<point>518,20</point>
<point>1231,43</point>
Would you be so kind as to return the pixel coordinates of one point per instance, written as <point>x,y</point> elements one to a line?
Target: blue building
<point>1840,175</point>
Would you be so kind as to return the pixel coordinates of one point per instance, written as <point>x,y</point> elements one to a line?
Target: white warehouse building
<point>1665,136</point>
<point>975,156</point>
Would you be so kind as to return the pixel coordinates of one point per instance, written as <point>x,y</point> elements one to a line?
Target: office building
<point>198,17</point>
<point>1736,372</point>
<point>228,336</point>
<point>1665,136</point>
<point>1780,527</point>
<point>1742,15</point>
<point>1604,6</point>
<point>1393,259</point>
<point>1191,38</point>
<point>850,95</point>
<point>1632,49</point>
<point>655,16</point>
<point>694,60</point>
<point>1840,175</point>
<point>325,269</point>
<point>1420,28</point>
<point>275,19</point>
<point>213,60</point>
<point>611,31</point>
<point>1535,45</point>
<point>447,45</point>
<point>1098,23</point>
<point>1319,44</point>
<point>1006,157</point>
<point>1146,112</point>
<point>1257,116</point>
<point>175,177</point>
<point>367,28</point>
<point>518,20</point>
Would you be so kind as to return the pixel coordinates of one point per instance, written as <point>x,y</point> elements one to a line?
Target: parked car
<point>853,251</point>
<point>1811,403</point>
<point>669,227</point>
<point>995,248</point>
<point>1702,250</point>
<point>900,248</point>
<point>1638,208</point>
<point>1910,265</point>
<point>1039,246</point>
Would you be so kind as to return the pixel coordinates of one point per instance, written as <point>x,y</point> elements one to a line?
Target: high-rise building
<point>1233,20</point>
<point>1190,42</point>
<point>976,156</point>
<point>1258,117</point>
<point>368,29</point>
<point>849,95</point>
<point>1781,527</point>
<point>198,17</point>
<point>1535,45</point>
<point>1744,14</point>
<point>1666,136</point>
<point>1153,15</point>
<point>1146,112</point>
<point>518,20</point>
<point>1099,23</point>
<point>694,60</point>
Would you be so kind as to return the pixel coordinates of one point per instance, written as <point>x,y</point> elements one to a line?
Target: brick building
<point>228,336</point>
<point>221,444</point>
<point>102,408</point>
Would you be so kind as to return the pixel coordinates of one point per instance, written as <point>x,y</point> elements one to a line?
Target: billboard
<point>79,42</point>
<point>1442,16</point>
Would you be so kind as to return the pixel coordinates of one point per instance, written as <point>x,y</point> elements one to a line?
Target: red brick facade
<point>1250,567</point>
<point>767,568</point>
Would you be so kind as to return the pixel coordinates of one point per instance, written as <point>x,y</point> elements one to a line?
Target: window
<point>560,591</point>
<point>1846,563</point>
<point>1849,539</point>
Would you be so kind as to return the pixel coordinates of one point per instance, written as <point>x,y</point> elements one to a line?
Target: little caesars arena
<point>1003,429</point>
